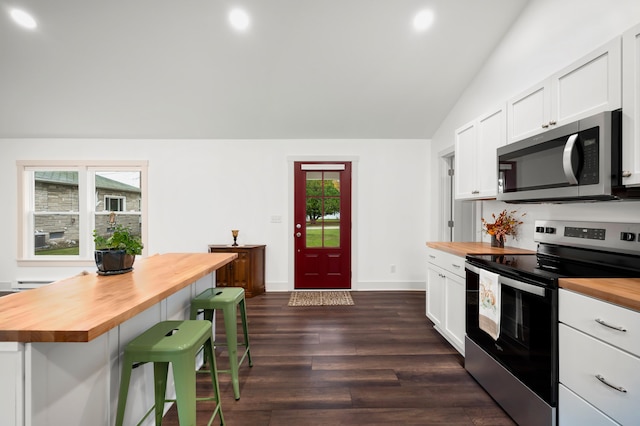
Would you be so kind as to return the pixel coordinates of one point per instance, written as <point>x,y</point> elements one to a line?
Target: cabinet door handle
<point>615,327</point>
<point>626,173</point>
<point>603,380</point>
<point>545,126</point>
<point>432,256</point>
<point>553,123</point>
<point>475,191</point>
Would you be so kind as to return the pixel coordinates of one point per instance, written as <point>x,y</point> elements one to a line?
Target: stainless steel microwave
<point>577,161</point>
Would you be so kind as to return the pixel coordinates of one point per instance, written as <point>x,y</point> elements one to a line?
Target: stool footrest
<point>209,398</point>
<point>244,356</point>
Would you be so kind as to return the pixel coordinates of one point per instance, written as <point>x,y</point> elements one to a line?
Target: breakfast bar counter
<point>83,307</point>
<point>61,344</point>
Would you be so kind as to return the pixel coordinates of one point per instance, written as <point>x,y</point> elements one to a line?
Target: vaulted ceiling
<point>303,69</point>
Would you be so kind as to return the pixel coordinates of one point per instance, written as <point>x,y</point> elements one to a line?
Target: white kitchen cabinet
<point>590,85</point>
<point>529,112</point>
<point>445,301</point>
<point>476,159</point>
<point>435,295</point>
<point>631,107</point>
<point>599,361</point>
<point>454,311</point>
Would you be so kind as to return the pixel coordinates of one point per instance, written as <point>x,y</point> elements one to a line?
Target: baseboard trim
<point>361,286</point>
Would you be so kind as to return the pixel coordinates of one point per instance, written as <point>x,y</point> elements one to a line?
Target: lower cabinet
<point>445,299</point>
<point>599,362</point>
<point>246,271</point>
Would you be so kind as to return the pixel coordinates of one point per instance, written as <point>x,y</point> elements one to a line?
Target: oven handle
<point>527,288</point>
<point>472,268</point>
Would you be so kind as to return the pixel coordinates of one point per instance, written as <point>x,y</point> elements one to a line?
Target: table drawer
<point>584,312</point>
<point>583,358</point>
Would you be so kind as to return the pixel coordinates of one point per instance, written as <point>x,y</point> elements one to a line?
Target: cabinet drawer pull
<point>603,380</point>
<point>615,327</point>
<point>432,256</point>
<point>456,266</point>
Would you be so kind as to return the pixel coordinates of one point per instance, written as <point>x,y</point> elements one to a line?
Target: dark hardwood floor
<point>376,363</point>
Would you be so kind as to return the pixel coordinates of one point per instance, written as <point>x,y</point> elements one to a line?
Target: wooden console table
<point>246,271</point>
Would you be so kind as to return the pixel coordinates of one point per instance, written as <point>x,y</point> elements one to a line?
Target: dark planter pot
<point>112,261</point>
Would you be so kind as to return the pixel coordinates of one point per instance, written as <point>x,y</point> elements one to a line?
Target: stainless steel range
<point>511,347</point>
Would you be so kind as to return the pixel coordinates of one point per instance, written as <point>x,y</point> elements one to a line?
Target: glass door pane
<point>323,209</point>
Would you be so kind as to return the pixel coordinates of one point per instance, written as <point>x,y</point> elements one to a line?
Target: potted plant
<point>116,254</point>
<point>506,223</point>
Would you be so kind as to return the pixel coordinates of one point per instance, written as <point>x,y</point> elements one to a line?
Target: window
<point>62,203</point>
<point>114,204</point>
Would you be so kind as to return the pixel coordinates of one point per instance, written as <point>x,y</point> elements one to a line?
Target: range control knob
<point>549,230</point>
<point>627,236</point>
<point>540,229</point>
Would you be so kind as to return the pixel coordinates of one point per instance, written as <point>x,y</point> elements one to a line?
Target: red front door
<point>322,225</point>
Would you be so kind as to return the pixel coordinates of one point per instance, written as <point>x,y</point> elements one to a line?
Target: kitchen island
<point>61,344</point>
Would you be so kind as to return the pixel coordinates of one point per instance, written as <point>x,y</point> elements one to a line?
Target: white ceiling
<point>305,69</point>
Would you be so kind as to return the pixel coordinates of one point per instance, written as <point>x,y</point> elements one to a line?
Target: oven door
<point>527,342</point>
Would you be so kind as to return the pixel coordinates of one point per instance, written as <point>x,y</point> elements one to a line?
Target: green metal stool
<point>178,343</point>
<point>227,299</point>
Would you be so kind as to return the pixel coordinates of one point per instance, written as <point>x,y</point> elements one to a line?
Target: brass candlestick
<point>234,232</point>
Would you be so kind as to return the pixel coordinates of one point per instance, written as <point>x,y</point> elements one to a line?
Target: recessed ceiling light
<point>239,19</point>
<point>23,19</point>
<point>423,20</point>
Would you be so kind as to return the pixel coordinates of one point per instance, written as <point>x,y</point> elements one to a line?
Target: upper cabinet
<point>590,85</point>
<point>630,107</point>
<point>476,169</point>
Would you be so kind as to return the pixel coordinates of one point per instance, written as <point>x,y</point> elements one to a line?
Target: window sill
<point>55,262</point>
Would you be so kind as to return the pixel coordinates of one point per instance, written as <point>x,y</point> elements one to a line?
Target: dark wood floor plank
<point>379,362</point>
<point>371,417</point>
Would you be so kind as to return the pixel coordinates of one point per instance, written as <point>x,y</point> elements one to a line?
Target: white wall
<point>201,189</point>
<point>548,36</point>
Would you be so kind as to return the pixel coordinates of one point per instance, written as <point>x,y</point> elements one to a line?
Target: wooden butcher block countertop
<point>464,248</point>
<point>83,307</point>
<point>624,292</point>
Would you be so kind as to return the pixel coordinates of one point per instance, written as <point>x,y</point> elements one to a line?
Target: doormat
<point>320,298</point>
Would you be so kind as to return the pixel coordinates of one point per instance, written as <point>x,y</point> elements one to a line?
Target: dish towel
<point>489,303</point>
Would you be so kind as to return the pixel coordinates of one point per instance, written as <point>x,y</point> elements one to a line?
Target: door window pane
<point>332,183</point>
<point>323,209</point>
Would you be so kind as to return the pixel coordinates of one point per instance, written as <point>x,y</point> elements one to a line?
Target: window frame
<point>87,209</point>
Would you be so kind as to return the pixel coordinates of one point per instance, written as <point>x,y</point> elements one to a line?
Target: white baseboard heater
<point>21,285</point>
